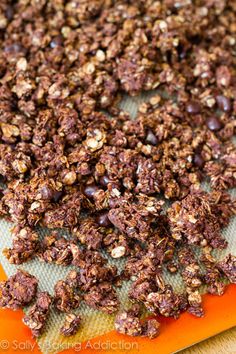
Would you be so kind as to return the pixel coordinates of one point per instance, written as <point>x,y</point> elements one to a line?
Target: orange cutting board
<point>174,334</point>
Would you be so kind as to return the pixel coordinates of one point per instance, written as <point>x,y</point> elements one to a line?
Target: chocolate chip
<point>56,42</point>
<point>90,190</point>
<point>103,219</point>
<point>213,123</point>
<point>182,53</point>
<point>193,107</point>
<point>198,160</point>
<point>223,103</point>
<point>104,180</point>
<point>151,138</point>
<point>46,192</point>
<point>57,196</point>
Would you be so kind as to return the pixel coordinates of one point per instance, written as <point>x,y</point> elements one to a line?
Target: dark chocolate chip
<point>47,192</point>
<point>223,103</point>
<point>103,219</point>
<point>213,123</point>
<point>90,190</point>
<point>198,160</point>
<point>182,53</point>
<point>193,107</point>
<point>56,42</point>
<point>104,180</point>
<point>151,138</point>
<point>57,196</point>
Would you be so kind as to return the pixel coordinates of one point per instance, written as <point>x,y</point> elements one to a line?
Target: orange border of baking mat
<point>175,334</point>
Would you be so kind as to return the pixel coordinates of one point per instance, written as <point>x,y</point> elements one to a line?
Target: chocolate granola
<point>128,322</point>
<point>18,291</point>
<point>71,325</point>
<point>37,316</point>
<point>72,159</point>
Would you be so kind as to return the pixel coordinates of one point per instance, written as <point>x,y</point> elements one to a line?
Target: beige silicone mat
<point>93,322</point>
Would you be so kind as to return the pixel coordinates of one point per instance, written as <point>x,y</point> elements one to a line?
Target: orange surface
<point>174,335</point>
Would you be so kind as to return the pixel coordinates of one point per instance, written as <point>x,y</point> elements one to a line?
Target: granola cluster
<point>18,291</point>
<point>204,214</point>
<point>25,244</point>
<point>71,159</point>
<point>38,314</point>
<point>71,325</point>
<point>128,322</point>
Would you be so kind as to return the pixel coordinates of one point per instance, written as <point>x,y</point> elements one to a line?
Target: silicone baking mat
<point>96,333</point>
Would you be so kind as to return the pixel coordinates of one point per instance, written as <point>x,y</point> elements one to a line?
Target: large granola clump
<point>199,218</point>
<point>38,314</point>
<point>71,325</point>
<point>128,322</point>
<point>25,244</point>
<point>18,291</point>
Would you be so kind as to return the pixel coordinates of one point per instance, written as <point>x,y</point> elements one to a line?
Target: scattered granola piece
<point>18,291</point>
<point>24,246</point>
<point>71,325</point>
<point>66,297</point>
<point>37,316</point>
<point>128,322</point>
<point>196,219</point>
<point>102,297</point>
<point>151,328</point>
<point>228,267</point>
<point>55,249</point>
